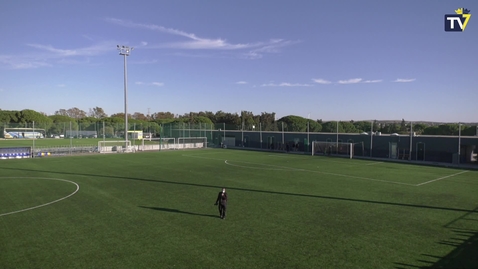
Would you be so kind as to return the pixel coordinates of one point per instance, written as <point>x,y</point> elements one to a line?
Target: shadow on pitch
<point>464,243</point>
<point>178,211</point>
<point>246,190</point>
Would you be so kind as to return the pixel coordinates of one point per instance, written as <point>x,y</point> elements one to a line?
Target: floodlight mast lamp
<point>125,51</point>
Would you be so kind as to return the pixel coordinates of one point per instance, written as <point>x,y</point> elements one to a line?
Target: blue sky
<point>332,60</point>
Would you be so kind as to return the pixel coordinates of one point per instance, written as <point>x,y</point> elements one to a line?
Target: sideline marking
<point>49,203</point>
<point>436,179</point>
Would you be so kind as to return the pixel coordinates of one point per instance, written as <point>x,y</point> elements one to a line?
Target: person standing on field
<point>221,201</point>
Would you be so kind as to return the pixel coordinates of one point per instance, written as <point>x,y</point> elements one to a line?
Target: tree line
<point>244,120</point>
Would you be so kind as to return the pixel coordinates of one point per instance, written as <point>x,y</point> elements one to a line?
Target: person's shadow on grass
<point>178,211</point>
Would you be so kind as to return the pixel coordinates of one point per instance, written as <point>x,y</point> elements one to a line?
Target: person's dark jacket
<point>222,198</point>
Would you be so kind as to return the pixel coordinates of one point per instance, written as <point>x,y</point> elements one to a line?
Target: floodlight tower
<point>125,51</point>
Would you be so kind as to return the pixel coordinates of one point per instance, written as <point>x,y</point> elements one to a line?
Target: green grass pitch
<point>155,210</point>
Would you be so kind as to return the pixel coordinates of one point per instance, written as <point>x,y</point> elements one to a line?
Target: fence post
<point>33,137</point>
<point>260,132</point>
<point>411,143</point>
<point>282,133</point>
<point>71,142</point>
<point>371,138</point>
<point>459,143</point>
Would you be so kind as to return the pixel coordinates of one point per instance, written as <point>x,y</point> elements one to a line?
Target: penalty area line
<point>436,179</point>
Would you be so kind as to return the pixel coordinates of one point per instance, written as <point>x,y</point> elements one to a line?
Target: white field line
<point>346,163</point>
<point>49,203</point>
<point>260,168</point>
<point>436,179</point>
<point>313,171</point>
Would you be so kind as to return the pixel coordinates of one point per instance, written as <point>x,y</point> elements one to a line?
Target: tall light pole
<point>125,51</point>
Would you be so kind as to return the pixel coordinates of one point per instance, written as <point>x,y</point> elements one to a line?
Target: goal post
<point>191,142</point>
<point>157,143</point>
<point>333,148</point>
<point>115,146</point>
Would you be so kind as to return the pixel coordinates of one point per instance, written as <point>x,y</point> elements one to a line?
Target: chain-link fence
<point>277,136</point>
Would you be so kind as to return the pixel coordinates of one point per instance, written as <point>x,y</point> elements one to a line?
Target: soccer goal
<point>191,142</point>
<point>157,143</point>
<point>334,148</point>
<point>115,146</point>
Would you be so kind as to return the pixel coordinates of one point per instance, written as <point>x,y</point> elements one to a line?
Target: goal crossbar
<point>191,142</point>
<point>119,146</point>
<point>345,149</point>
<point>157,143</point>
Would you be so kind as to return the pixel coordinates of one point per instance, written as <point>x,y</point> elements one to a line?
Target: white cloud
<point>285,84</point>
<point>404,80</point>
<point>372,81</point>
<point>350,81</point>
<point>273,46</point>
<point>47,55</point>
<point>321,81</point>
<point>241,82</point>
<point>201,43</point>
<point>157,84</point>
<point>86,51</point>
<point>144,43</point>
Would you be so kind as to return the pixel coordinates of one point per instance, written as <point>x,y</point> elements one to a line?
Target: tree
<point>162,115</point>
<point>363,126</point>
<point>74,112</point>
<point>97,112</point>
<point>268,121</point>
<point>442,129</point>
<point>294,123</point>
<point>7,116</point>
<point>331,127</point>
<point>348,127</point>
<point>139,116</point>
<point>202,119</point>
<point>108,132</point>
<point>403,127</point>
<point>419,128</point>
<point>120,115</point>
<point>314,126</point>
<point>62,112</point>
<point>61,124</point>
<point>247,118</point>
<point>26,117</point>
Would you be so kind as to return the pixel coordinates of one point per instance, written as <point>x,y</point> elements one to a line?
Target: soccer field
<point>155,210</point>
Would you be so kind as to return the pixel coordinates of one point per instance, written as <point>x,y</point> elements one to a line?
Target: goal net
<point>115,147</point>
<point>334,148</point>
<point>157,144</point>
<point>191,142</point>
